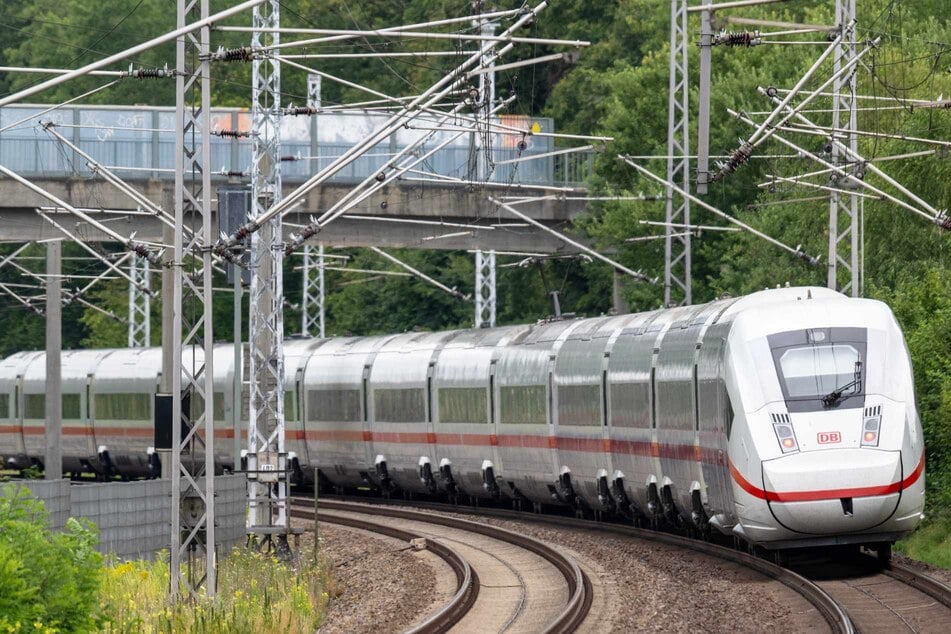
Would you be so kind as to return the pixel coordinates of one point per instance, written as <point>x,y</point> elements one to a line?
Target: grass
<point>930,543</point>
<point>256,593</point>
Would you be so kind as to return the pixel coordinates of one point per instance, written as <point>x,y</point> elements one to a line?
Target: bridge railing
<point>139,143</point>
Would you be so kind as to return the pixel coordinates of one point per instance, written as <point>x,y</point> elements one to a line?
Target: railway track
<point>529,578</point>
<point>894,598</point>
<point>834,613</point>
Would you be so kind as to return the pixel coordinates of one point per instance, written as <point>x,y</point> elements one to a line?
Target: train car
<point>785,418</point>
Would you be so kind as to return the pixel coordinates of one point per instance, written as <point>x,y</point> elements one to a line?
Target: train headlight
<point>786,437</point>
<point>870,431</point>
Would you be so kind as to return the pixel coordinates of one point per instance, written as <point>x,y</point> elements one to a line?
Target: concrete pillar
<point>54,346</point>
<point>620,304</point>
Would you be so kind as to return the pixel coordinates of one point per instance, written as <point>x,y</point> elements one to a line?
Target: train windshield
<point>813,370</point>
<point>820,368</point>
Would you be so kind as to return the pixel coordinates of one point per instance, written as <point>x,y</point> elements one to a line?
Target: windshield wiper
<point>833,397</point>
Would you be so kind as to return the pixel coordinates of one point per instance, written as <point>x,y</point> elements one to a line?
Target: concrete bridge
<point>137,143</point>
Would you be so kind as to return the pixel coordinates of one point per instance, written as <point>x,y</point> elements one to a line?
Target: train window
<point>34,406</point>
<point>523,404</point>
<point>729,414</point>
<point>462,405</point>
<point>196,407</point>
<point>4,406</point>
<point>630,405</point>
<point>579,405</point>
<point>71,409</point>
<point>399,405</point>
<point>128,406</point>
<point>333,406</point>
<point>290,406</point>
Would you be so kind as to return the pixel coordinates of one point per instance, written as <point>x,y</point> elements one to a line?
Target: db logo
<point>829,437</point>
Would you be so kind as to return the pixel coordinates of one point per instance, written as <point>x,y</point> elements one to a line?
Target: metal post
<point>140,303</point>
<point>53,459</point>
<point>480,148</point>
<point>267,456</point>
<point>844,210</point>
<point>193,504</point>
<point>312,313</point>
<point>677,283</point>
<point>168,317</point>
<point>703,109</point>
<point>620,304</point>
<point>485,297</point>
<point>238,374</point>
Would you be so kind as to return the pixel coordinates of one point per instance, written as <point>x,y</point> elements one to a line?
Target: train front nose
<point>834,491</point>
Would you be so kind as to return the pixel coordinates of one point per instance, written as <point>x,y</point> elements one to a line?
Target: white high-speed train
<point>786,418</point>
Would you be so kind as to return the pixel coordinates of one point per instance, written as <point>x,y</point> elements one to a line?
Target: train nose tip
<point>836,491</point>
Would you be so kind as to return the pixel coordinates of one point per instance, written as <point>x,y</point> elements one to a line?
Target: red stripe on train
<point>827,494</point>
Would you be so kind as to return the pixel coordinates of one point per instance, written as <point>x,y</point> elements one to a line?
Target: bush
<point>49,582</point>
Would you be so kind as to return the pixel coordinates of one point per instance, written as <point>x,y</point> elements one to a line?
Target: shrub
<point>49,582</point>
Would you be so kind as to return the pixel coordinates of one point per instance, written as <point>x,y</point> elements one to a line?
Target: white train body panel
<point>678,414</point>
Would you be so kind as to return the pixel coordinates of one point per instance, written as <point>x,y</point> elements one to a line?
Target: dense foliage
<point>49,582</point>
<point>618,88</point>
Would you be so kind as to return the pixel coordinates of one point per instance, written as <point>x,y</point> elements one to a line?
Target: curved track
<point>831,610</point>
<point>467,581</point>
<point>894,598</point>
<point>535,588</point>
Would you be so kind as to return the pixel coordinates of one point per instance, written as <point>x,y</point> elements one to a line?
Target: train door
<point>300,446</point>
<point>18,414</point>
<point>368,457</point>
<point>85,414</point>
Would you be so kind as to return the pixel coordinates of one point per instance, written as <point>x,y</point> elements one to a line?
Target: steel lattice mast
<point>485,298</point>
<point>140,303</point>
<point>267,457</point>
<point>485,295</point>
<point>845,210</point>
<point>677,281</point>
<point>193,501</point>
<point>312,297</point>
<point>312,303</point>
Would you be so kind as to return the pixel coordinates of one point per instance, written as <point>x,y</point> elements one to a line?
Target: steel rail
<point>829,608</point>
<point>580,591</point>
<point>467,581</point>
<point>920,581</point>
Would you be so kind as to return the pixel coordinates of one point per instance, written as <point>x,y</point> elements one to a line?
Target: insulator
<point>150,73</point>
<point>300,111</point>
<point>737,38</point>
<point>943,220</point>
<point>234,174</point>
<point>231,134</point>
<point>242,54</point>
<point>289,158</point>
<point>739,158</point>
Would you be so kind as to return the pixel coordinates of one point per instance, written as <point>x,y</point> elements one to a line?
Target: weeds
<point>256,593</point>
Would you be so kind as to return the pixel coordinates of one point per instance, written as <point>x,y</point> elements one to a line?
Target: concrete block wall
<point>55,495</point>
<point>134,518</point>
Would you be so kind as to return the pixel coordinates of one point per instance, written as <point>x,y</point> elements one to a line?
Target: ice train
<point>786,418</point>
